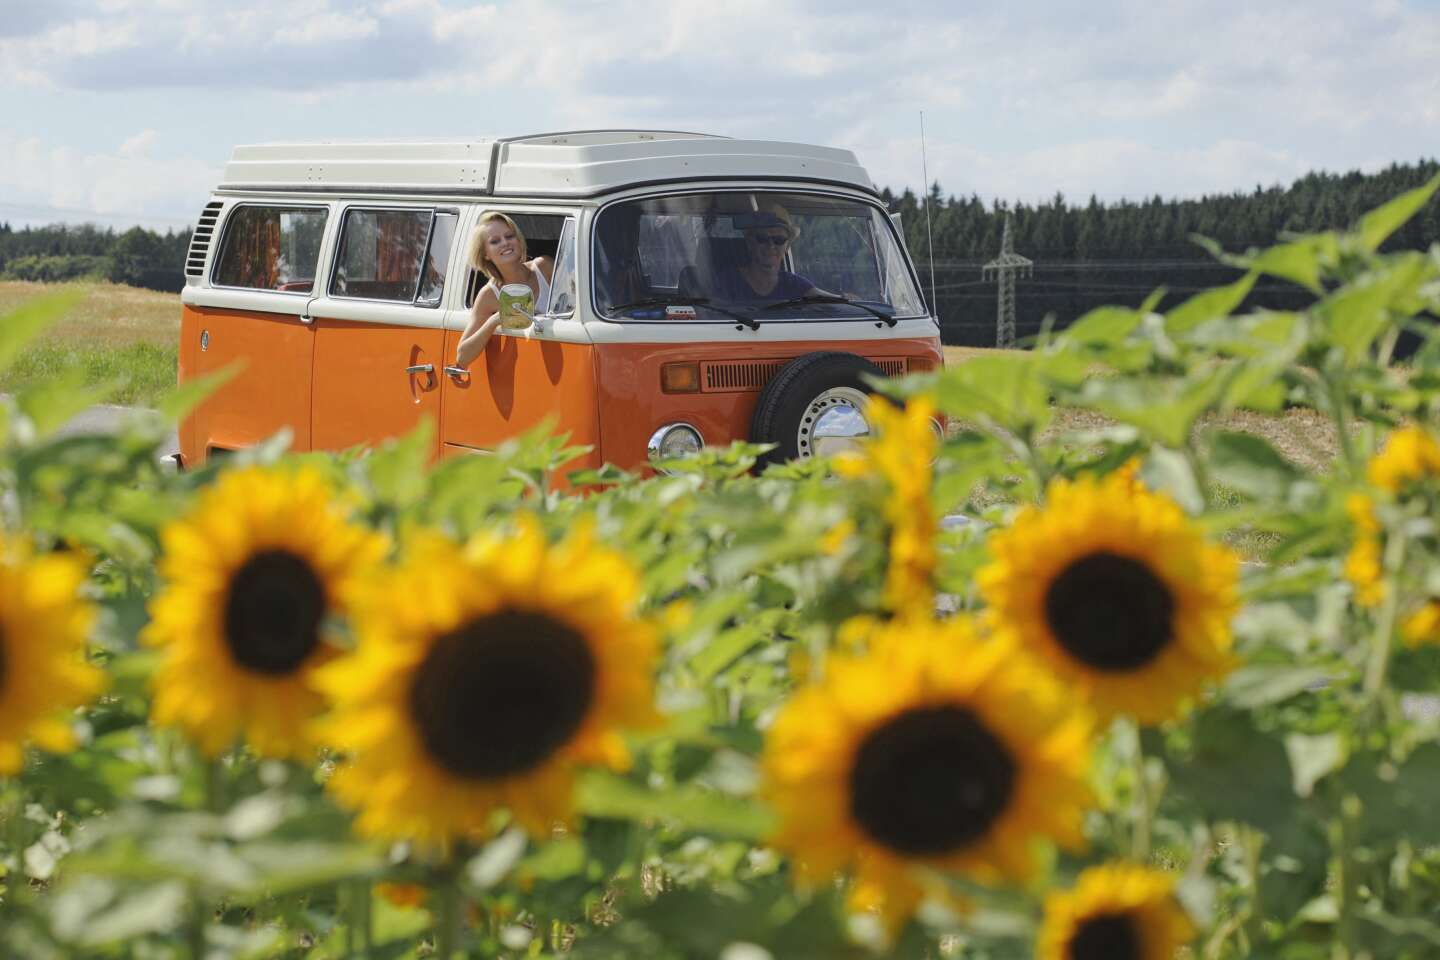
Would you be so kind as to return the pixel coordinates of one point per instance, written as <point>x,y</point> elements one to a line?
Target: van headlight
<point>674,440</point>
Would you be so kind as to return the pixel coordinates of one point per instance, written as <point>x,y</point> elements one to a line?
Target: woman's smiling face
<point>501,244</point>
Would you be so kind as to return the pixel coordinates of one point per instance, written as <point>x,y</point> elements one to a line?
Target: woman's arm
<point>484,318</point>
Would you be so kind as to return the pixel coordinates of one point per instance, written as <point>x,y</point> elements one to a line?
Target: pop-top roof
<point>579,164</point>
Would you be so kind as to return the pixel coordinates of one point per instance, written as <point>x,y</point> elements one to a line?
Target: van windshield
<point>756,256</point>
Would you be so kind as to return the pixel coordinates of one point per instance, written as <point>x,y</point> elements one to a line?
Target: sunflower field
<point>1144,689</point>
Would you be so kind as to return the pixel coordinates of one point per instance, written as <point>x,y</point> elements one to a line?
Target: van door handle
<point>460,374</point>
<point>421,368</point>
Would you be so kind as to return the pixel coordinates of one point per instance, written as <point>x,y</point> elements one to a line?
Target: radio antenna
<point>929,233</point>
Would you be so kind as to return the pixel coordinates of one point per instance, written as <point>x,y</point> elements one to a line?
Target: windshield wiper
<point>889,318</point>
<point>688,302</point>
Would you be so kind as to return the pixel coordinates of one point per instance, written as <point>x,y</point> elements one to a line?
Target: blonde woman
<point>497,249</point>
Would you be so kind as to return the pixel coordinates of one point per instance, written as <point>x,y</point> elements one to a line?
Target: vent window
<point>200,240</point>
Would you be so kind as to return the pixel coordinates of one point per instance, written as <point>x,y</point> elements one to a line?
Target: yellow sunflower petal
<point>934,749</point>
<point>1117,592</point>
<point>44,629</point>
<point>251,575</point>
<point>1116,910</point>
<point>1410,454</point>
<point>484,674</point>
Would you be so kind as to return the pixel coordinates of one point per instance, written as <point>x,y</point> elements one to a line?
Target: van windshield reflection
<point>732,255</point>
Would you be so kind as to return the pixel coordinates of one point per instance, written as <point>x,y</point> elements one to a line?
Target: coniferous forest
<point>1086,254</point>
<point>1089,254</point>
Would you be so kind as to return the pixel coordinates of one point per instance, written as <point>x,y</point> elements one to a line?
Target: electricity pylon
<point>1005,268</point>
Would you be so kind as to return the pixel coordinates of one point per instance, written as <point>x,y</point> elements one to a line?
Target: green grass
<point>142,372</point>
<point>116,334</point>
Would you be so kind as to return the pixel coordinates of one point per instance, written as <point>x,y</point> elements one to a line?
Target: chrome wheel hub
<point>833,422</point>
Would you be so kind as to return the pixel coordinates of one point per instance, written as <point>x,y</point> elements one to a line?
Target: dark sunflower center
<point>273,613</point>
<point>502,693</point>
<point>1108,936</point>
<point>1110,612</point>
<point>930,781</point>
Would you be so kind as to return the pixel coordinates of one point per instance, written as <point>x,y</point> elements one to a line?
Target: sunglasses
<point>773,240</point>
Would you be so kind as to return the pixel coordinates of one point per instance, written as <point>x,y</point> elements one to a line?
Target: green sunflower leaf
<point>26,322</point>
<point>1208,305</point>
<point>601,794</point>
<point>1251,466</point>
<point>1377,225</point>
<point>1313,758</point>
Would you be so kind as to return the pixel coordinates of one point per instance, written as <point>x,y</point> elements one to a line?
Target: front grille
<point>750,376</point>
<point>739,376</point>
<point>200,240</point>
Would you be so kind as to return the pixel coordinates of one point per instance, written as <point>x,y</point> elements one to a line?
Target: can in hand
<point>517,306</point>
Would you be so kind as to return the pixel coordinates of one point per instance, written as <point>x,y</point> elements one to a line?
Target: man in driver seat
<point>768,231</point>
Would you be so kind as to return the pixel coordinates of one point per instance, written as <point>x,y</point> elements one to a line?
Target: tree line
<point>1093,253</point>
<point>137,257</point>
<point>1086,254</point>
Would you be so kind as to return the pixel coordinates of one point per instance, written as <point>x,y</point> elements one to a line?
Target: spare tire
<point>813,407</point>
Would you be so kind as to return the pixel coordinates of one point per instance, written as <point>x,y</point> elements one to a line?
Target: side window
<point>437,258</point>
<point>393,255</point>
<point>542,239</point>
<point>271,248</point>
<point>562,284</point>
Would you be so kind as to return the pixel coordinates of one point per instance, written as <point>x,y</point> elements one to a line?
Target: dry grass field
<point>117,334</point>
<point>123,334</point>
<point>1305,437</point>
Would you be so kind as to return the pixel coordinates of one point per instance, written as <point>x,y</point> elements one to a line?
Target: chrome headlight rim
<point>654,448</point>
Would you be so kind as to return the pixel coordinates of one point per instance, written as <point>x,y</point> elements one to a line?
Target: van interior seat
<point>714,256</point>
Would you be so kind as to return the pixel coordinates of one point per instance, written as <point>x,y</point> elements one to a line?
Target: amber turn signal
<point>680,377</point>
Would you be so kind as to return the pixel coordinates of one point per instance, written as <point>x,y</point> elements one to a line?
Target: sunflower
<point>484,674</point>
<point>1423,625</point>
<point>44,625</point>
<point>1363,563</point>
<point>1115,912</point>
<point>902,453</point>
<point>250,575</point>
<point>933,749</point>
<point>1114,588</point>
<point>1410,454</point>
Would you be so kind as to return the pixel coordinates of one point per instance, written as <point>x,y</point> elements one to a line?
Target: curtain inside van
<point>400,247</point>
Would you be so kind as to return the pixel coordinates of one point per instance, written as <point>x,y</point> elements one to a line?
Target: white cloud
<point>1122,97</point>
<point>59,183</point>
<point>138,145</point>
<point>324,28</point>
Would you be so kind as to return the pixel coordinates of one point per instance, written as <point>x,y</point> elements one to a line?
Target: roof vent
<point>200,240</point>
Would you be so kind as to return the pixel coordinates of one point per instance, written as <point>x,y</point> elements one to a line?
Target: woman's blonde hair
<point>476,252</point>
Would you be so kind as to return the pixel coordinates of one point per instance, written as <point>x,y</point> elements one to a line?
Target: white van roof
<point>581,163</point>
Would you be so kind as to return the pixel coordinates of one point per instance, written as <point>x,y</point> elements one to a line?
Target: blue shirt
<point>732,285</point>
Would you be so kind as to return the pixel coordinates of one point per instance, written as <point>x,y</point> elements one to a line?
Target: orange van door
<point>379,327</point>
<point>524,377</point>
<point>267,340</point>
<point>252,314</point>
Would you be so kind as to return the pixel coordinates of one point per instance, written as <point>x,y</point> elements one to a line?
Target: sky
<point>124,112</point>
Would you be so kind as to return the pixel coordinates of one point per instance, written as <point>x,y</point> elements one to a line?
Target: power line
<point>1005,268</point>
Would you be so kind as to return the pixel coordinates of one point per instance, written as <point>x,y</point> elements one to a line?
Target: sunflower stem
<point>212,799</point>
<point>1383,636</point>
<point>1141,806</point>
<point>1335,399</point>
<point>357,925</point>
<point>447,930</point>
<point>13,812</point>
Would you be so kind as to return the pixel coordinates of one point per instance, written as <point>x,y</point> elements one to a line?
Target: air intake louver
<point>750,376</point>
<point>200,240</point>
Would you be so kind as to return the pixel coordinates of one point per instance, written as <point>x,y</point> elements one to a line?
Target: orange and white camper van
<point>337,273</point>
